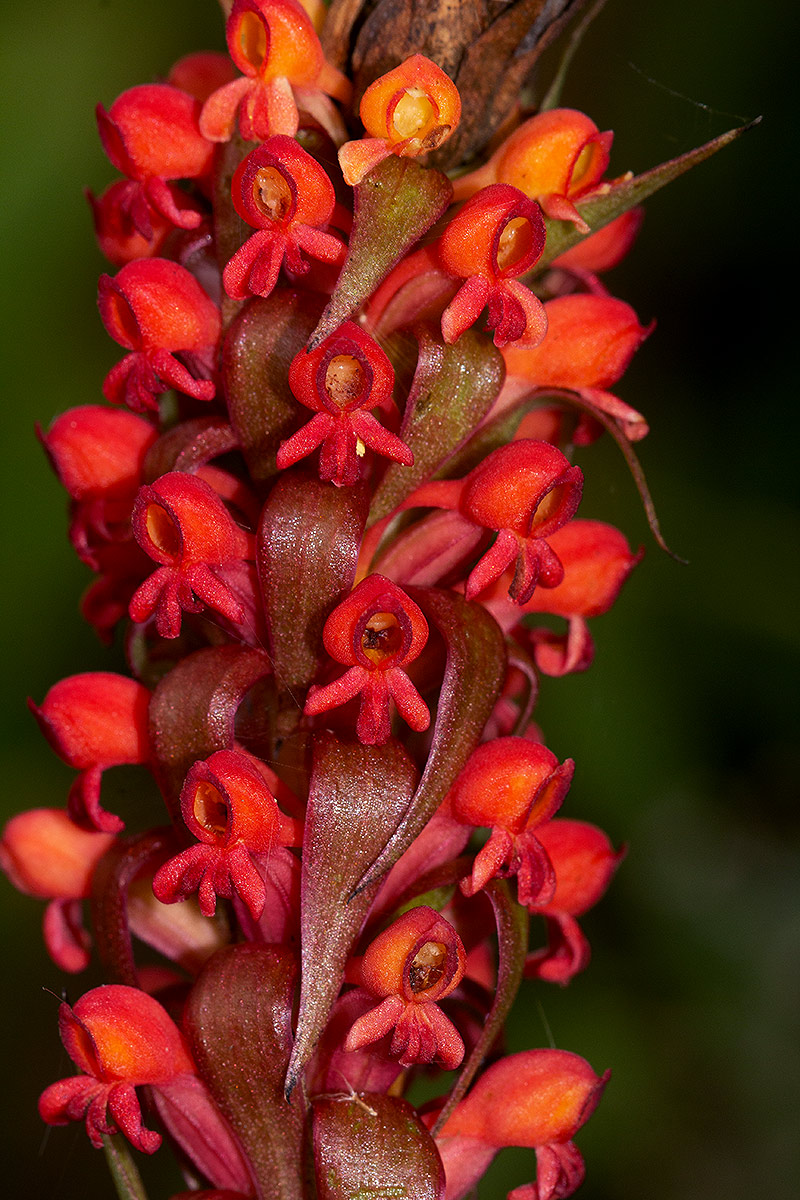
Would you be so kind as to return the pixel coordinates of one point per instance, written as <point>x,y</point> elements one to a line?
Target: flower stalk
<point>331,502</point>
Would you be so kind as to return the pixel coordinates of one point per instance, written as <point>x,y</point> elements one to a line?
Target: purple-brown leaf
<point>260,345</point>
<point>193,710</point>
<point>453,389</point>
<point>356,798</point>
<point>373,1145</point>
<point>308,543</point>
<point>239,1024</point>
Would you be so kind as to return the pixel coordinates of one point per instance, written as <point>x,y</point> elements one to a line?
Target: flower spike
<point>156,308</point>
<point>227,805</point>
<point>513,786</point>
<point>377,631</point>
<point>181,522</point>
<point>408,111</point>
<point>498,235</point>
<point>285,194</point>
<point>341,380</point>
<point>414,963</point>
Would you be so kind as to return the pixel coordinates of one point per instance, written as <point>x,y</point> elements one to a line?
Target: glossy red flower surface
<point>119,1038</point>
<point>597,560</point>
<point>524,491</point>
<point>556,157</point>
<point>45,854</point>
<point>589,343</point>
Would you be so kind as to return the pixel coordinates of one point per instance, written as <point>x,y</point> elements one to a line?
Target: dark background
<point>681,731</point>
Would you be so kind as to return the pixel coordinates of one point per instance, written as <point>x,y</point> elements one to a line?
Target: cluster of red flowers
<point>329,626</point>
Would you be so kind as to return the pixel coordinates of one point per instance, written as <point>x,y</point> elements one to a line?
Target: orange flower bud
<point>118,1037</point>
<point>407,111</point>
<point>555,157</point>
<point>45,854</point>
<point>589,342</point>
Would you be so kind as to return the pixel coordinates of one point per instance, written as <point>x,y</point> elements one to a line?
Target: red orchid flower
<point>156,308</point>
<point>555,157</point>
<point>227,805</point>
<point>95,721</point>
<point>182,523</point>
<point>151,134</point>
<point>513,786</point>
<point>377,631</point>
<point>345,377</point>
<point>45,854</point>
<point>498,235</point>
<point>540,1099</point>
<point>414,963</point>
<point>584,862</point>
<point>285,194</point>
<point>275,46</point>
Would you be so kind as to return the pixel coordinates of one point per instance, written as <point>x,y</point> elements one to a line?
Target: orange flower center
<point>515,242</point>
<point>209,808</point>
<point>382,637</point>
<point>344,379</point>
<point>427,966</point>
<point>253,39</point>
<point>272,195</point>
<point>162,531</point>
<point>547,507</point>
<point>413,113</point>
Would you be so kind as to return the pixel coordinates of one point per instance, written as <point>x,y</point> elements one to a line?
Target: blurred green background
<point>683,730</point>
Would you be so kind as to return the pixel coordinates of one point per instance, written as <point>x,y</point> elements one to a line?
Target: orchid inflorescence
<point>336,625</point>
